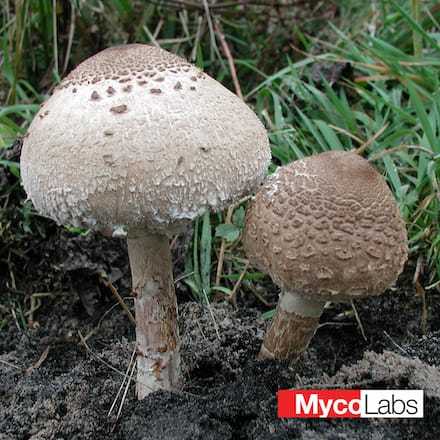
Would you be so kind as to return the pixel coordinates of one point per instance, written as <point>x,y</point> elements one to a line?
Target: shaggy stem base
<point>157,336</point>
<point>293,326</point>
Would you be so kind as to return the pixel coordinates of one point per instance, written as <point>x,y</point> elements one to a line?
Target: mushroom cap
<point>137,137</point>
<point>328,228</point>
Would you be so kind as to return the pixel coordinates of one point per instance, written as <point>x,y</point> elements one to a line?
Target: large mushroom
<point>325,228</point>
<point>138,138</point>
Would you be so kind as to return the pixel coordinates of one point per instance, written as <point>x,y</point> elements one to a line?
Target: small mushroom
<point>111,163</point>
<point>325,228</point>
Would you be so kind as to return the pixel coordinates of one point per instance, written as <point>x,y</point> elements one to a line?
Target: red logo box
<point>319,403</point>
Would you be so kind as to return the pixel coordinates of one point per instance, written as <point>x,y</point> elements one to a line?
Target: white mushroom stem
<point>293,326</point>
<point>157,335</point>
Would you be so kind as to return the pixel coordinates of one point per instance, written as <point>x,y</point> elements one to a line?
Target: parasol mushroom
<point>325,228</point>
<point>137,138</point>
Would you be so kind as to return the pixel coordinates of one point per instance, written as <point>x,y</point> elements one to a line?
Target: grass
<point>391,105</point>
<point>368,79</point>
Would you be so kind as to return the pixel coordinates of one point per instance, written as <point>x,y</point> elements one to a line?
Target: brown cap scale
<point>325,228</point>
<point>137,138</point>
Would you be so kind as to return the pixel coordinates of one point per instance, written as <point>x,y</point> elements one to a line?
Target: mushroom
<point>137,138</point>
<point>325,228</point>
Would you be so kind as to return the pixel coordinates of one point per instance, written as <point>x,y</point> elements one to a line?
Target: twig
<point>158,29</point>
<point>183,17</point>
<point>10,365</point>
<point>70,39</point>
<point>395,343</point>
<point>228,55</point>
<point>334,324</point>
<point>150,36</point>
<point>233,297</point>
<point>367,78</point>
<point>208,304</point>
<point>163,41</point>
<point>366,144</point>
<point>183,276</point>
<point>133,368</point>
<point>418,269</point>
<point>347,133</point>
<point>424,318</point>
<point>184,4</point>
<point>399,148</point>
<point>127,372</point>
<point>97,327</point>
<point>210,26</point>
<point>417,38</point>
<point>35,304</point>
<point>114,291</point>
<point>356,384</point>
<point>14,315</point>
<point>420,291</point>
<point>153,36</point>
<point>98,358</point>
<point>201,330</point>
<point>221,255</point>
<point>199,33</point>
<point>37,364</point>
<point>260,298</point>
<point>358,320</point>
<point>55,36</point>
<point>174,241</point>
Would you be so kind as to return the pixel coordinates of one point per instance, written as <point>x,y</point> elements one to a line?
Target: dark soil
<point>56,386</point>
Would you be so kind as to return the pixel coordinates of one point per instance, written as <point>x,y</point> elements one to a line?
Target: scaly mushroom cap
<point>136,136</point>
<point>327,227</point>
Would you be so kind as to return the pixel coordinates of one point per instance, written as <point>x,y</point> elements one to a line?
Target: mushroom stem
<point>293,326</point>
<point>157,335</point>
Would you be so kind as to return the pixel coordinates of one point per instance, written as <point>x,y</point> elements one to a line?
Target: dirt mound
<point>67,391</point>
<point>55,386</point>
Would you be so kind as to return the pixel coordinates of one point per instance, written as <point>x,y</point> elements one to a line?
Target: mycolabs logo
<point>350,403</point>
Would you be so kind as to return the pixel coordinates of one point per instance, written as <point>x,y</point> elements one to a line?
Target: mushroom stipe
<point>156,312</point>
